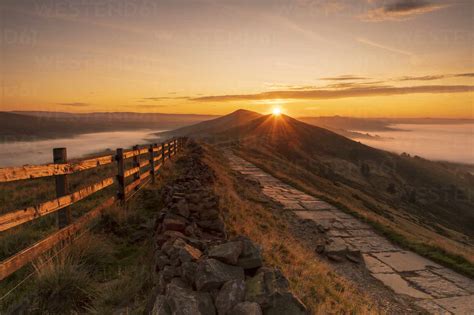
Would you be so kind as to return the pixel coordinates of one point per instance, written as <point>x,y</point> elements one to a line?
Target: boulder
<point>228,252</point>
<point>168,273</point>
<point>213,225</point>
<point>211,214</point>
<point>174,223</point>
<point>162,261</point>
<point>264,285</point>
<point>269,288</point>
<point>188,271</point>
<point>160,240</point>
<point>187,302</point>
<point>231,293</point>
<point>246,308</point>
<point>285,303</point>
<point>192,230</point>
<point>251,256</point>
<point>212,274</point>
<point>180,283</point>
<point>160,307</point>
<point>189,253</point>
<point>181,208</point>
<point>174,235</point>
<point>194,198</point>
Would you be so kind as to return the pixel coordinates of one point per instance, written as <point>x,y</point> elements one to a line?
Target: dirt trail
<point>434,288</point>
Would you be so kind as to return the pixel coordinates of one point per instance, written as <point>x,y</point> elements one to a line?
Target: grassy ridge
<point>409,236</point>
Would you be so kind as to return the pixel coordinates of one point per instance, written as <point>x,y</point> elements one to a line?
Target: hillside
<point>419,199</point>
<point>24,126</point>
<point>215,126</point>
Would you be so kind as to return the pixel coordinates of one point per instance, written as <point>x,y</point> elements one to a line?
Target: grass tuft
<point>63,286</point>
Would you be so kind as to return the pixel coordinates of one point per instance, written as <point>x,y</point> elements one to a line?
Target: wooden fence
<point>157,155</point>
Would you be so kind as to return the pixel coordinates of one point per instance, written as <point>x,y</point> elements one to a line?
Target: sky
<point>362,58</point>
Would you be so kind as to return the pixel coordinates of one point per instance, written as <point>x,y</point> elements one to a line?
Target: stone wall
<point>199,269</point>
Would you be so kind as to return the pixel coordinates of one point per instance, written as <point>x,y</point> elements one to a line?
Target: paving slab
<point>432,307</point>
<point>337,245</point>
<point>376,266</point>
<point>291,205</point>
<point>399,285</point>
<point>337,233</point>
<point>372,244</point>
<point>360,233</point>
<point>317,216</point>
<point>353,224</point>
<point>403,261</point>
<point>342,215</point>
<point>434,285</point>
<point>458,305</point>
<point>316,205</point>
<point>459,280</point>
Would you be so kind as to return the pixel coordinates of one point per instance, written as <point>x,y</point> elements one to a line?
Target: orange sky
<point>397,58</point>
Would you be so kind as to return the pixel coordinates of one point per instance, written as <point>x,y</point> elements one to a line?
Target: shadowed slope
<point>217,125</point>
<point>290,135</point>
<point>419,185</point>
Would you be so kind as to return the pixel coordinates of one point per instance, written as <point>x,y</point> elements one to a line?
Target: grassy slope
<point>403,230</point>
<point>310,278</point>
<point>105,270</point>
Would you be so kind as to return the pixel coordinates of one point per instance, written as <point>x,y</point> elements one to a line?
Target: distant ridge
<point>31,126</point>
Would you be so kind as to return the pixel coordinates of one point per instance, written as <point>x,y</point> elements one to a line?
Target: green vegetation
<point>437,254</point>
<point>306,182</point>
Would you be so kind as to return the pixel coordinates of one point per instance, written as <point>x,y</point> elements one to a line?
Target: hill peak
<point>234,119</point>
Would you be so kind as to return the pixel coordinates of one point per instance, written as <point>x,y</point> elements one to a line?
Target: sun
<point>276,111</point>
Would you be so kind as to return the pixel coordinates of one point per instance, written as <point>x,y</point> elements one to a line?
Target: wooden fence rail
<point>157,155</point>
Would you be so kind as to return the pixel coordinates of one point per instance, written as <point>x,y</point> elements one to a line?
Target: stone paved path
<point>434,288</point>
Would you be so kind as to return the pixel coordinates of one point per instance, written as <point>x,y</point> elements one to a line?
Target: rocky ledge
<point>202,271</point>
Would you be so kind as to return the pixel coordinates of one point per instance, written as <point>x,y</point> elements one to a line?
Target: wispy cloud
<point>401,10</point>
<point>346,77</point>
<point>422,78</point>
<point>320,94</point>
<point>434,77</point>
<point>469,75</point>
<point>148,106</point>
<point>74,104</point>
<point>164,98</point>
<point>384,47</point>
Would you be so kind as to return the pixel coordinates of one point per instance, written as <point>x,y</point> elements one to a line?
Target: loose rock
<point>231,293</point>
<point>212,274</point>
<point>246,308</point>
<point>187,302</point>
<point>228,252</point>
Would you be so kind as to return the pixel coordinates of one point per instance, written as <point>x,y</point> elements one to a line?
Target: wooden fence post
<point>163,153</point>
<point>62,188</point>
<point>136,163</point>
<point>120,175</point>
<point>152,162</point>
<point>169,150</point>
